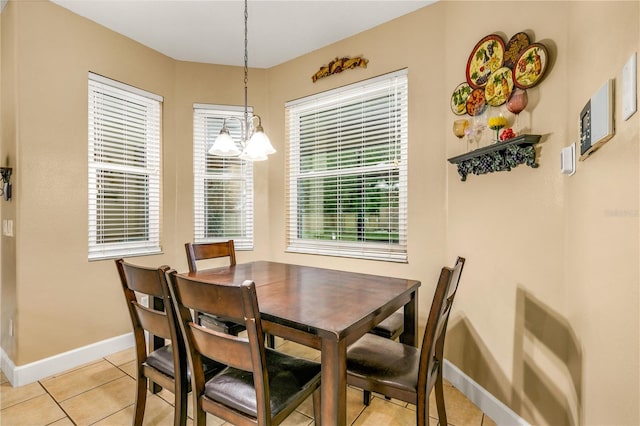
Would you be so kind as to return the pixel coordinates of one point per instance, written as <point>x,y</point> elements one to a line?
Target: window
<point>347,169</point>
<point>124,170</point>
<point>223,186</point>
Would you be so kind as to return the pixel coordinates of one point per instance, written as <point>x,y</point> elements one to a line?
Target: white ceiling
<point>212,31</point>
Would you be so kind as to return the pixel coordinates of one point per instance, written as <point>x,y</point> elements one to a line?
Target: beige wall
<point>547,316</point>
<point>8,128</point>
<point>549,256</point>
<point>555,258</point>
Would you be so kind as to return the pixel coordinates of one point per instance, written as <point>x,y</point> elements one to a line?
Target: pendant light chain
<point>246,69</point>
<point>254,143</point>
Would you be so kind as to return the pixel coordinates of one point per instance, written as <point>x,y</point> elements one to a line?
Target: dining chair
<point>407,373</point>
<point>167,365</point>
<point>260,386</point>
<point>390,328</point>
<point>205,251</point>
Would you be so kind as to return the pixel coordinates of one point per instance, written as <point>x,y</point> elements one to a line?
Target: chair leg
<point>271,341</point>
<point>422,411</point>
<point>180,412</point>
<point>442,413</point>
<point>317,409</point>
<point>199,415</point>
<point>141,401</point>
<point>366,397</point>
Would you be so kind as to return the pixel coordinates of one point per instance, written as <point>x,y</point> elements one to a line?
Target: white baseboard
<point>29,373</point>
<point>489,404</point>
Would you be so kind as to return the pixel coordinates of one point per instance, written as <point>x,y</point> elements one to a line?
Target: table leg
<point>410,334</point>
<point>334,382</point>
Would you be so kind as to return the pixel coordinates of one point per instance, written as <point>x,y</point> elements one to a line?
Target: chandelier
<point>254,145</point>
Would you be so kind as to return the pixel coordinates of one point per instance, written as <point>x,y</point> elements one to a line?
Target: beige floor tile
<point>354,404</point>
<point>306,407</point>
<point>169,397</point>
<point>460,411</point>
<point>100,402</point>
<point>130,368</point>
<point>63,422</point>
<point>382,412</point>
<point>297,419</point>
<point>41,410</point>
<point>122,357</point>
<point>299,350</point>
<point>157,413</point>
<point>67,385</point>
<point>394,401</point>
<point>10,396</point>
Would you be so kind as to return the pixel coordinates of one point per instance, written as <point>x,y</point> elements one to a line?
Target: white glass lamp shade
<point>224,146</point>
<point>260,143</point>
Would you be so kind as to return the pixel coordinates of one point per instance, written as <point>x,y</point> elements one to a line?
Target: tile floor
<point>102,393</point>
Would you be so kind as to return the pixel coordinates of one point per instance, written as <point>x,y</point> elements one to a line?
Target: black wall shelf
<point>501,156</point>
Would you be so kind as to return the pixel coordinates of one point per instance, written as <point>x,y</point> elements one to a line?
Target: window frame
<point>107,156</point>
<point>202,141</point>
<point>397,85</point>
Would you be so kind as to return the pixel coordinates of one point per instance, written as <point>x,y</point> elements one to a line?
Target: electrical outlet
<point>11,330</point>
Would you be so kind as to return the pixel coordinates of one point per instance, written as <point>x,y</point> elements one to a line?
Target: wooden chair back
<point>160,321</point>
<point>407,373</point>
<point>432,352</point>
<point>240,394</point>
<point>239,303</point>
<point>205,251</point>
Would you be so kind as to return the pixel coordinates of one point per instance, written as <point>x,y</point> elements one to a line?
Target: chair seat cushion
<point>288,377</point>
<point>162,359</point>
<point>386,361</point>
<point>220,324</point>
<point>391,327</point>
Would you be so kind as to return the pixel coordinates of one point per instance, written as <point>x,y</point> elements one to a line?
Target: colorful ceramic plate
<point>486,57</point>
<point>459,98</point>
<point>514,48</point>
<point>476,103</point>
<point>530,66</point>
<point>499,87</point>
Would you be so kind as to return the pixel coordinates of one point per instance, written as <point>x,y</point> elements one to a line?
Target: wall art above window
<point>338,65</point>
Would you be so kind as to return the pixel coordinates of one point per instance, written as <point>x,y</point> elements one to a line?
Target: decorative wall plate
<point>476,103</point>
<point>459,98</point>
<point>486,57</point>
<point>530,66</point>
<point>514,48</point>
<point>499,87</point>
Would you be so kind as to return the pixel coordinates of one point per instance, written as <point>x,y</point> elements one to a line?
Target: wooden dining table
<point>324,309</point>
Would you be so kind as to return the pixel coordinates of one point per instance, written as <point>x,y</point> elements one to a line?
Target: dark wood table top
<point>316,300</point>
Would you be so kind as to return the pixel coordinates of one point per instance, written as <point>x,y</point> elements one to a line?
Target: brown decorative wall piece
<point>338,65</point>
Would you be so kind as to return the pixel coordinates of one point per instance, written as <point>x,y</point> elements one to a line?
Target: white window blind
<point>124,170</point>
<point>223,186</point>
<point>347,171</point>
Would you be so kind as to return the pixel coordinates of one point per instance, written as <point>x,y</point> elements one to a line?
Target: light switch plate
<point>7,227</point>
<point>629,87</point>
<point>568,160</point>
